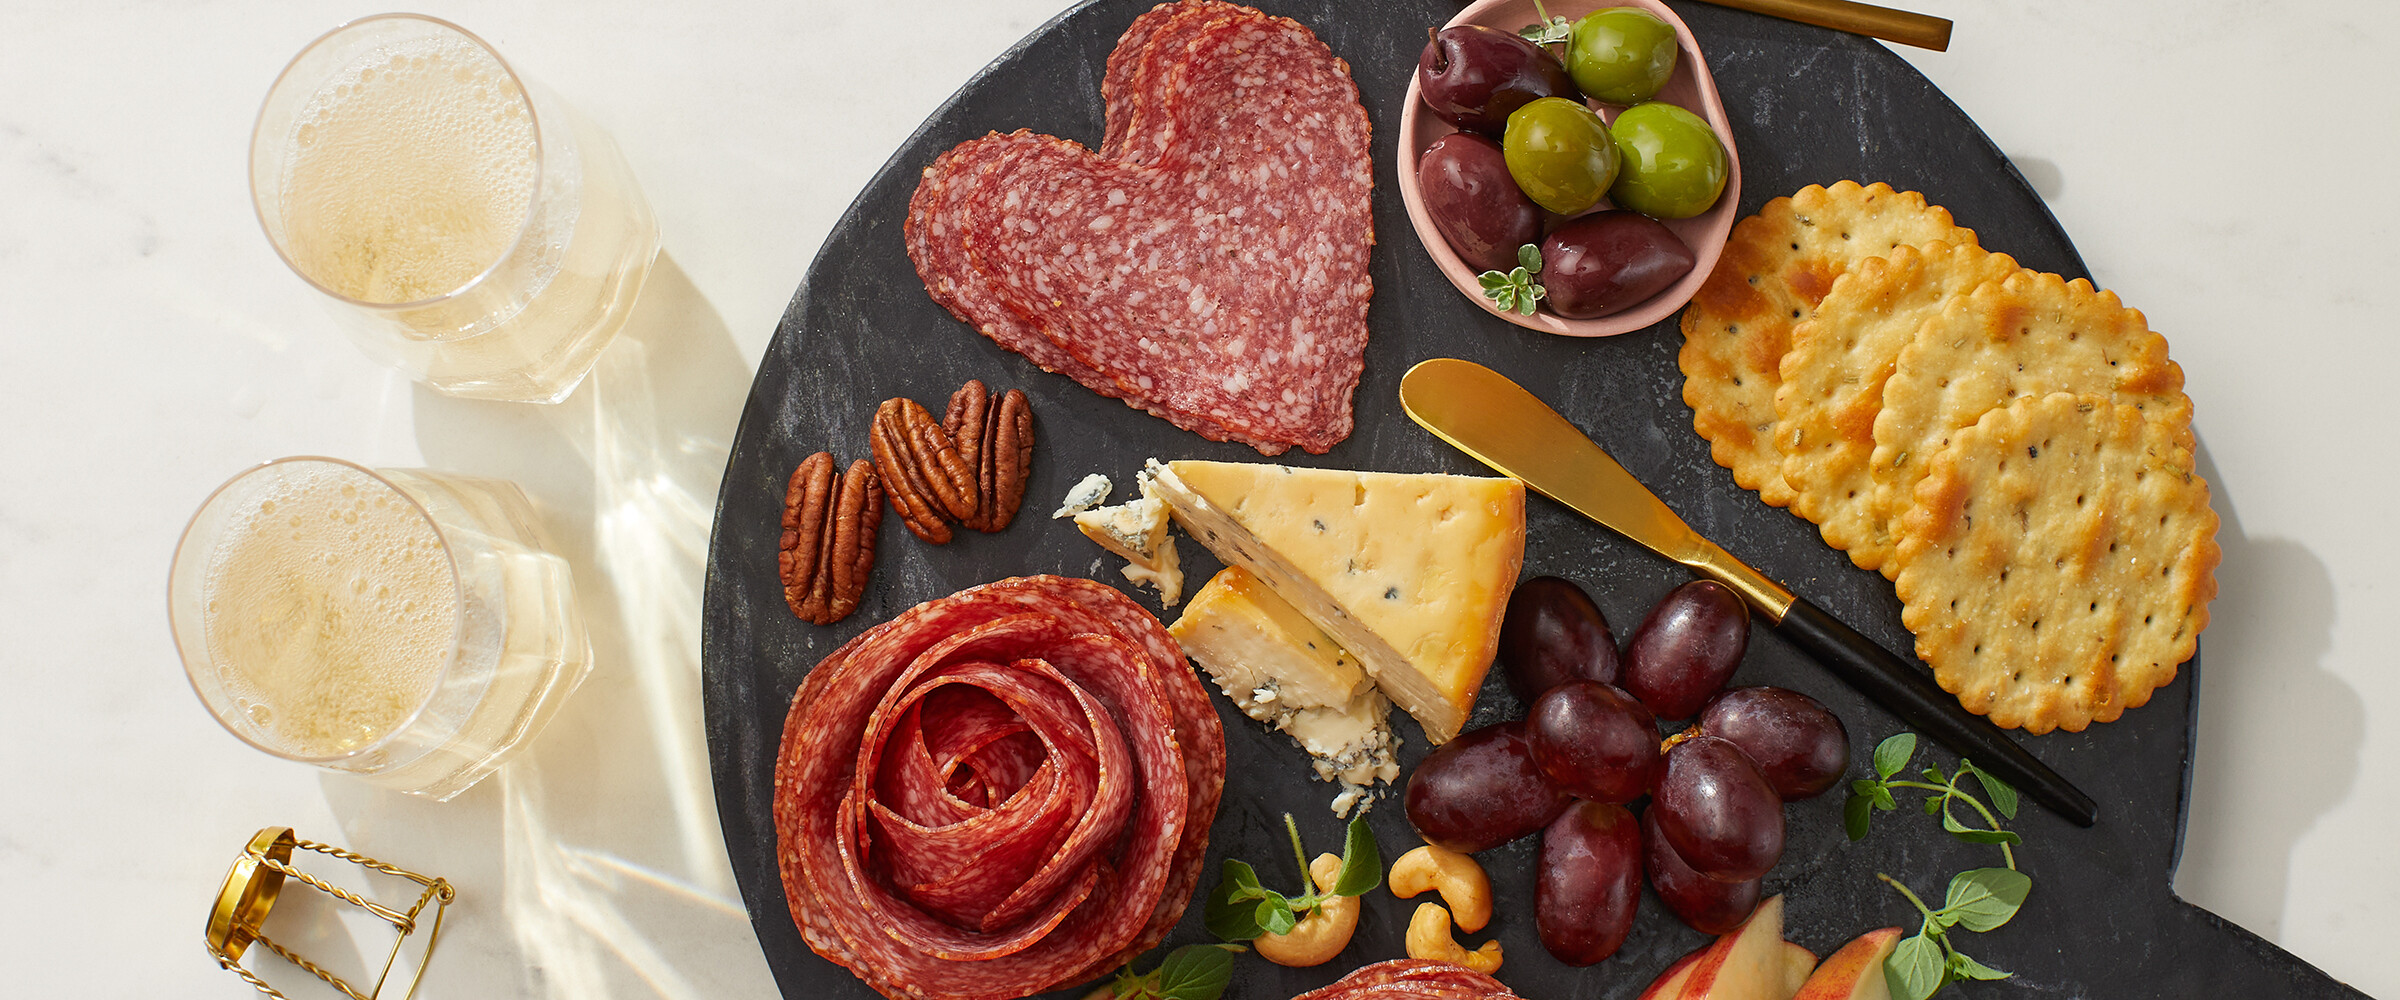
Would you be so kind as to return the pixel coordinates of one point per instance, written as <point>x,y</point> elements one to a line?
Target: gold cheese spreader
<point>1503,426</point>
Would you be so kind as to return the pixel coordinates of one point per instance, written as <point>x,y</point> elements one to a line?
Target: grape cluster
<point>1590,747</point>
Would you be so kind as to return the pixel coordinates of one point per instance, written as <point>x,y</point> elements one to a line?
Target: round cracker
<point>1833,382</point>
<point>1775,268</point>
<point>2058,562</point>
<point>2029,334</point>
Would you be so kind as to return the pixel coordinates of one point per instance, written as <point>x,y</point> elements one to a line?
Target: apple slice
<point>1747,964</point>
<point>1856,971</point>
<point>1798,962</point>
<point>1670,982</point>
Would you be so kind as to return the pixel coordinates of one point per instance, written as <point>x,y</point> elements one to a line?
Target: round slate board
<point>1808,106</point>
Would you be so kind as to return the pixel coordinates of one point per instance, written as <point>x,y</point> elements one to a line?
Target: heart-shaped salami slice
<point>1211,266</point>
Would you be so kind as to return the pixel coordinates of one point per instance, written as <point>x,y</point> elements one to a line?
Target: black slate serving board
<point>1807,106</point>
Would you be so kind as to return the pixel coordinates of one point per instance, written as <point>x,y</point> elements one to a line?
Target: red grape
<point>1594,741</point>
<point>1717,811</point>
<point>1553,634</point>
<point>1588,883</point>
<point>1687,648</point>
<point>1480,791</point>
<point>1704,904</point>
<point>1800,747</point>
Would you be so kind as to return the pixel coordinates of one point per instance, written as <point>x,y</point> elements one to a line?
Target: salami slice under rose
<point>998,792</point>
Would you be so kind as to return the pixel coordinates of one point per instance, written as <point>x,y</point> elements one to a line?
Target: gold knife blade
<point>1483,413</point>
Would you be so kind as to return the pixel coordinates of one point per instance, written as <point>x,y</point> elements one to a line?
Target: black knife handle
<point>1908,690</point>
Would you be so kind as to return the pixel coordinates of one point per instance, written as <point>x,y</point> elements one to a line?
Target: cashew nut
<point>1459,879</point>
<point>1429,938</point>
<point>1323,933</point>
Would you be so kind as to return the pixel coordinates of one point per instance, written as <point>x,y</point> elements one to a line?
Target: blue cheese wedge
<point>1137,530</point>
<point>1408,573</point>
<point>1284,671</point>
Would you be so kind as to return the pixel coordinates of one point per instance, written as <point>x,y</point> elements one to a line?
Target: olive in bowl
<point>1473,76</point>
<point>1463,179</point>
<point>1610,261</point>
<point>1561,154</point>
<point>1671,164</point>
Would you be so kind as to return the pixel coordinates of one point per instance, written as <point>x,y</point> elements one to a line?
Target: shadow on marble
<point>591,866</point>
<point>2263,670</point>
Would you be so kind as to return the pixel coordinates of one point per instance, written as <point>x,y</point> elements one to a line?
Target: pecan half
<point>828,544</point>
<point>1007,459</point>
<point>927,478</point>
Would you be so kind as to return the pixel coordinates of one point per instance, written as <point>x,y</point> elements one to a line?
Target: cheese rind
<point>1409,573</point>
<point>1282,670</point>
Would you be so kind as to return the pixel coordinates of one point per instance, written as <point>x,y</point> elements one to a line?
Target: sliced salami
<point>1412,979</point>
<point>997,793</point>
<point>1211,262</point>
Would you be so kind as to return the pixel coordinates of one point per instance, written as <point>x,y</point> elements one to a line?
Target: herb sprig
<point>1979,899</point>
<point>1551,28</point>
<point>1192,972</point>
<point>1515,289</point>
<point>1241,909</point>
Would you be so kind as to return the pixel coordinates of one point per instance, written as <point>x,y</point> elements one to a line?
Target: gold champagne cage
<point>257,879</point>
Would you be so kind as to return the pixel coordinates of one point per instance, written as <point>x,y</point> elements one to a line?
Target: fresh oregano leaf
<point>1855,814</point>
<point>1891,755</point>
<point>1274,914</point>
<point>1975,836</point>
<point>1915,969</point>
<point>1231,915</point>
<point>1492,281</point>
<point>1362,861</point>
<point>1195,972</point>
<point>1933,773</point>
<point>1884,799</point>
<point>2003,796</point>
<point>1934,804</point>
<point>1981,899</point>
<point>1529,256</point>
<point>1963,967</point>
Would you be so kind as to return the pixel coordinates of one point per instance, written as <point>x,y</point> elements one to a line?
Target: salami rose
<point>997,793</point>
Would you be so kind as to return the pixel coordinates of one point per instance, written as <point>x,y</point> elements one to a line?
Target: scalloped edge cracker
<point>1832,382</point>
<point>1776,267</point>
<point>2058,562</point>
<point>2029,334</point>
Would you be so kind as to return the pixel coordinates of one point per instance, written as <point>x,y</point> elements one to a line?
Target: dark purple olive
<point>1588,883</point>
<point>1608,262</point>
<point>1480,791</point>
<point>1799,745</point>
<point>1553,634</point>
<point>1476,203</point>
<point>1473,76</point>
<point>1683,653</point>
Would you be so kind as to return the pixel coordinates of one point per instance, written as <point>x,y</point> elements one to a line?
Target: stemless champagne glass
<point>471,229</point>
<point>402,625</point>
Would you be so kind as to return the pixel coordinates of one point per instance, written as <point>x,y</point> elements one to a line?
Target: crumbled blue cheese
<point>1085,496</point>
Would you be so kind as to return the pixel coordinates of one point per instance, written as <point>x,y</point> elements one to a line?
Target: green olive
<point>1674,164</point>
<point>1621,55</point>
<point>1560,154</point>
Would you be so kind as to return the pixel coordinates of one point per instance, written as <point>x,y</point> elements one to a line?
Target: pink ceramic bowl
<point>1690,88</point>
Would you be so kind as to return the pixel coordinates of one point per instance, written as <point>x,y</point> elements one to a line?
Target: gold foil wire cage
<point>255,882</point>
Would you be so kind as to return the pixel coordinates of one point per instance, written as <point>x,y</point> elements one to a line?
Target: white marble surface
<point>2224,166</point>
